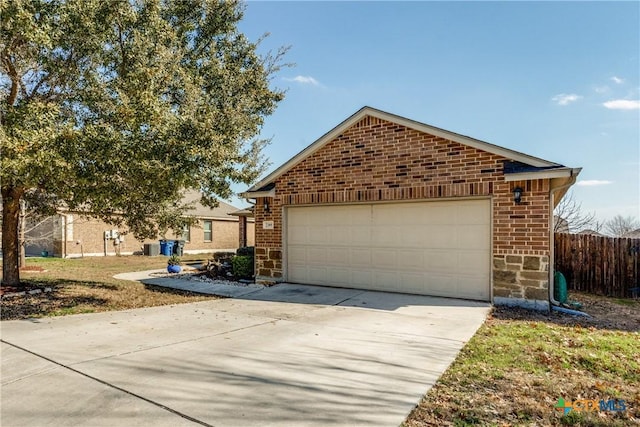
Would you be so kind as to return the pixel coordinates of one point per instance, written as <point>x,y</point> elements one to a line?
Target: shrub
<point>243,266</point>
<point>245,251</point>
<point>174,260</point>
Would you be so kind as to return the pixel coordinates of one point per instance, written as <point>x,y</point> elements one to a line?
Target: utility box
<point>151,249</point>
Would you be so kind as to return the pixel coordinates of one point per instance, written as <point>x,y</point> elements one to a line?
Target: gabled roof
<point>535,166</point>
<point>199,210</point>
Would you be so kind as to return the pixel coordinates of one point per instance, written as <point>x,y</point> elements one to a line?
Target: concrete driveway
<point>286,355</point>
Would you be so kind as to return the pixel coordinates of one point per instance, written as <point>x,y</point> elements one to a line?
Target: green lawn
<point>518,365</point>
<point>86,285</point>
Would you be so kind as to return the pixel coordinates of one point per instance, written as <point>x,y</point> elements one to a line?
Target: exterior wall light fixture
<point>517,195</point>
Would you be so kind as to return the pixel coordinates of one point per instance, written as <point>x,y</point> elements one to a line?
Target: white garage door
<point>428,248</point>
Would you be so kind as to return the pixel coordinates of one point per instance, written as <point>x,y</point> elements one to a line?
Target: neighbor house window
<point>186,233</point>
<point>208,233</point>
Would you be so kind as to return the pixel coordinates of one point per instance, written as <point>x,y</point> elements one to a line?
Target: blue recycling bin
<point>166,247</point>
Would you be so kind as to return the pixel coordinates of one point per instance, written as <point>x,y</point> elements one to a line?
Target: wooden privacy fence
<point>598,264</point>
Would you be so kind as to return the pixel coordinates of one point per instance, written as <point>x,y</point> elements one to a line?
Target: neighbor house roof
<point>248,212</point>
<point>635,234</point>
<point>199,210</point>
<point>523,166</point>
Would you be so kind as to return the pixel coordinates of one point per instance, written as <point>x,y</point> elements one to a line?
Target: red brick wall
<point>376,160</point>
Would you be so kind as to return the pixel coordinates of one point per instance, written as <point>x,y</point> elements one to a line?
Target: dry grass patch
<point>519,363</point>
<point>87,285</point>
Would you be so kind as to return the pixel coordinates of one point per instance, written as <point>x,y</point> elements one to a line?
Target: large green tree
<point>115,108</point>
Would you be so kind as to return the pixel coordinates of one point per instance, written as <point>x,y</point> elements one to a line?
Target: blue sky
<point>560,81</point>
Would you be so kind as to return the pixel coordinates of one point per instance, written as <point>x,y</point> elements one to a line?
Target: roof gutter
<point>543,174</point>
<point>256,194</point>
<point>552,191</point>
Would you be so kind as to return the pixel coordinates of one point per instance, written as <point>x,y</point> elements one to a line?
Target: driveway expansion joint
<point>108,384</point>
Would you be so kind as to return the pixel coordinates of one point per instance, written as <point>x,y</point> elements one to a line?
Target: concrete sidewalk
<point>220,288</point>
<point>288,355</point>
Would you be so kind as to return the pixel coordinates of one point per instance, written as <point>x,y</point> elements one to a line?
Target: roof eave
<point>543,174</point>
<point>255,194</point>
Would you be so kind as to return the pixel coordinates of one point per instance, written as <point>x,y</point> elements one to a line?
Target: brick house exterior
<point>70,234</point>
<point>376,157</point>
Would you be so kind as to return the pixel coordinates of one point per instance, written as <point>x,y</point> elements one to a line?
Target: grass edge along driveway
<point>514,371</point>
<point>519,365</point>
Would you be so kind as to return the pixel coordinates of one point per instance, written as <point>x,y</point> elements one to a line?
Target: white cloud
<point>622,104</point>
<point>602,89</point>
<point>304,80</point>
<point>593,182</point>
<point>565,99</point>
<point>617,80</point>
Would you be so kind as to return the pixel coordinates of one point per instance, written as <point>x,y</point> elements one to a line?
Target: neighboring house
<point>70,234</point>
<point>386,203</point>
<point>590,232</point>
<point>635,234</point>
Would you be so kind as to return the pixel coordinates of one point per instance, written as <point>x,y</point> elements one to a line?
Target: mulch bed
<point>606,313</point>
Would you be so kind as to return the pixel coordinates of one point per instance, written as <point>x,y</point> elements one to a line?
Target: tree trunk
<point>21,235</point>
<point>10,246</point>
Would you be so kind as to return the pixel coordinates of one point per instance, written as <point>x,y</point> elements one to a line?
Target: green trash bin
<point>560,288</point>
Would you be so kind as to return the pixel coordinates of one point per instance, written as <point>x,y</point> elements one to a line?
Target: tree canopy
<point>115,108</point>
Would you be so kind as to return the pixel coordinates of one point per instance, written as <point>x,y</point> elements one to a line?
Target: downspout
<point>552,191</point>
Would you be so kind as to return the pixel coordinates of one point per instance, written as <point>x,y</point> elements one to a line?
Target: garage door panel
<point>441,236</point>
<point>297,255</point>
<point>338,256</point>
<point>361,278</point>
<point>473,236</point>
<point>384,214</point>
<point>385,280</point>
<point>467,214</point>
<point>472,288</point>
<point>440,261</point>
<point>384,258</point>
<point>432,248</point>
<point>439,215</point>
<point>415,283</point>
<point>360,257</point>
<point>472,262</point>
<point>340,276</point>
<point>411,259</point>
<point>384,236</point>
<point>339,235</point>
<point>298,274</point>
<point>317,255</point>
<point>359,235</point>
<point>412,236</point>
<point>297,235</point>
<point>357,214</point>
<point>317,235</point>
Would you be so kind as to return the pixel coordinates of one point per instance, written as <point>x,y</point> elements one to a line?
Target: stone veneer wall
<point>269,265</point>
<point>521,280</point>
